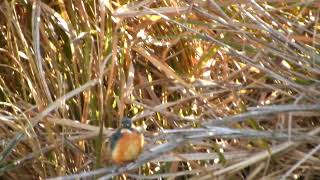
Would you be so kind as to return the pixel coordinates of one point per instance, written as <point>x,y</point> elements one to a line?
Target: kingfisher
<point>126,143</point>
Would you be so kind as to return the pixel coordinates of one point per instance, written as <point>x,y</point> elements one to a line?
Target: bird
<point>126,143</point>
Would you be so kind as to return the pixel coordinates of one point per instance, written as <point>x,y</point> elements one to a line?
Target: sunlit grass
<point>70,70</point>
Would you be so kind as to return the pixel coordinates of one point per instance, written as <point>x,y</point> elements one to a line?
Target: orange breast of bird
<point>128,147</point>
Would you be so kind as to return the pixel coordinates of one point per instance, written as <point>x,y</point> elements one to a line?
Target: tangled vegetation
<point>221,89</point>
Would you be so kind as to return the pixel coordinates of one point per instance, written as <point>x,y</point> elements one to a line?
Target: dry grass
<point>222,90</point>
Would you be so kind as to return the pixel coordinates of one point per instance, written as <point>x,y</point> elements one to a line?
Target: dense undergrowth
<point>221,89</point>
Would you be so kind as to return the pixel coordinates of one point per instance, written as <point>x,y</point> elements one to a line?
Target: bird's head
<point>126,123</point>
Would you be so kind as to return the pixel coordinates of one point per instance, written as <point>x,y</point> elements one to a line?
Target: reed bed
<point>220,89</point>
